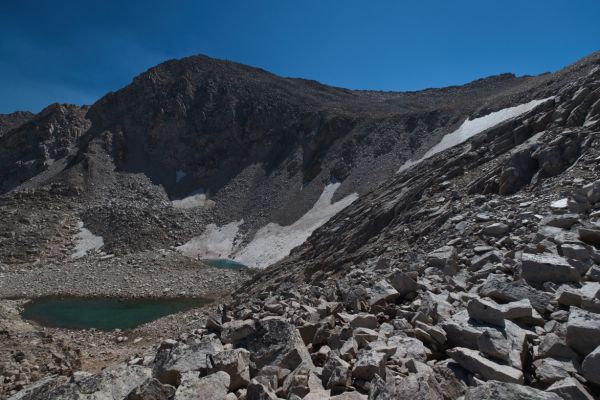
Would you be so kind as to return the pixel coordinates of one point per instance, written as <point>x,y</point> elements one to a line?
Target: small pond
<point>103,313</point>
<point>224,263</point>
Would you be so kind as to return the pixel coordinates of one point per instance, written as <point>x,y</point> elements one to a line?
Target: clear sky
<point>76,51</point>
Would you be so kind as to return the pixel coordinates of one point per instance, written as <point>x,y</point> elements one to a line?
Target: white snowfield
<point>193,201</point>
<point>272,242</point>
<point>472,127</point>
<point>215,242</point>
<point>86,242</point>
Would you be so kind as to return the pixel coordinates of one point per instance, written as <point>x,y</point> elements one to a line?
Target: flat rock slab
<point>547,268</point>
<point>583,331</point>
<point>591,366</point>
<point>494,390</point>
<point>472,361</point>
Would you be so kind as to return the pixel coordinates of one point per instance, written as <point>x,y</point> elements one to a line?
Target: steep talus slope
<point>516,154</point>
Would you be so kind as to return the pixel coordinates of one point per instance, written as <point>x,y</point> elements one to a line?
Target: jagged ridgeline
<point>350,244</point>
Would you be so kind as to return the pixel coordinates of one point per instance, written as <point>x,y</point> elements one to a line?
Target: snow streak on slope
<point>272,242</point>
<point>472,127</point>
<point>86,242</point>
<point>215,242</point>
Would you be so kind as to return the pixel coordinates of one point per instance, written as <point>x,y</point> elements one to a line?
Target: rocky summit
<point>440,244</point>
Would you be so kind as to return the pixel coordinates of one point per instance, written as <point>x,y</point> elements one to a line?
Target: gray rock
<point>364,335</point>
<point>592,191</point>
<point>485,311</point>
<point>554,346</point>
<point>276,342</point>
<point>363,320</point>
<point>583,331</point>
<point>495,314</point>
<point>500,289</point>
<point>547,268</point>
<point>259,391</point>
<point>564,221</point>
<point>115,382</point>
<point>383,292</point>
<point>472,361</point>
<point>403,283</point>
<point>152,390</point>
<point>419,386</point>
<point>213,386</point>
<point>494,390</point>
<point>236,330</point>
<point>591,366</point>
<point>570,389</point>
<point>444,258</point>
<point>170,363</point>
<point>496,229</point>
<point>368,364</point>
<point>236,363</point>
<point>550,370</point>
<point>590,234</point>
<point>334,366</point>
<point>407,347</point>
<point>491,257</point>
<point>575,251</point>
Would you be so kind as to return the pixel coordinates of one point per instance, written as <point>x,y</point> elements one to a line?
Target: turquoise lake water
<point>103,313</point>
<point>224,263</point>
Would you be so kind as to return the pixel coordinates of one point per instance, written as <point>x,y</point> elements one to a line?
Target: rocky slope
<point>474,273</point>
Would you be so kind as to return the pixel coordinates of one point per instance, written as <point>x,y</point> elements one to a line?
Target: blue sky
<point>76,51</point>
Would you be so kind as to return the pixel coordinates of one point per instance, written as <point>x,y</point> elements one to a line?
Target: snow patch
<point>472,127</point>
<point>194,200</point>
<point>86,242</point>
<point>272,242</point>
<point>215,242</point>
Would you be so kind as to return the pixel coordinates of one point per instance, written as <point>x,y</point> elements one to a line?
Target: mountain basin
<point>104,314</point>
<point>224,263</point>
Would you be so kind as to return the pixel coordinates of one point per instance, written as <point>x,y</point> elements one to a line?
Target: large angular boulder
<point>547,268</point>
<point>444,258</point>
<point>583,331</point>
<point>382,292</point>
<point>496,229</point>
<point>115,382</point>
<point>590,234</point>
<point>369,363</point>
<point>192,387</point>
<point>495,314</point>
<point>236,330</point>
<point>472,361</point>
<point>570,389</point>
<point>236,363</point>
<point>171,362</point>
<point>494,390</point>
<point>152,390</point>
<point>275,342</point>
<point>403,283</point>
<point>419,386</point>
<point>591,366</point>
<point>500,289</point>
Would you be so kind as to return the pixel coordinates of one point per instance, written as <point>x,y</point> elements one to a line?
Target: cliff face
<point>29,148</point>
<point>13,120</point>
